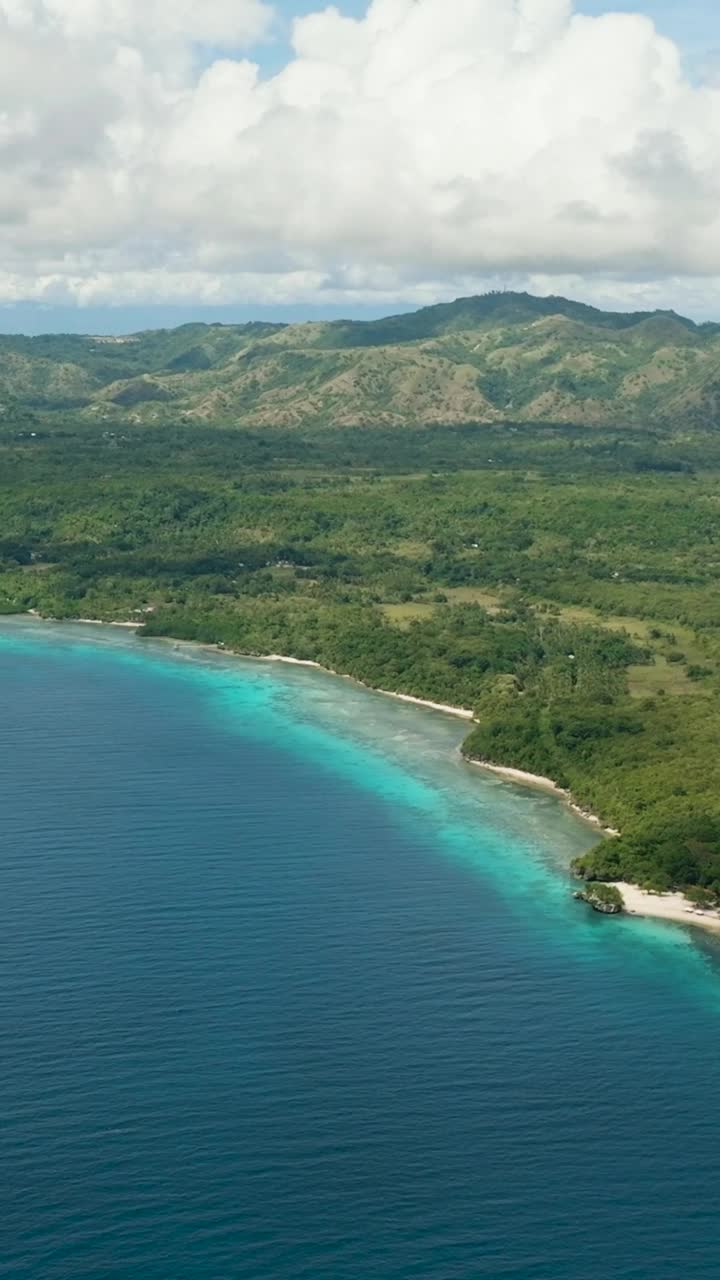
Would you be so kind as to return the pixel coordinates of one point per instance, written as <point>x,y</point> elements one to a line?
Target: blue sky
<point>693,24</point>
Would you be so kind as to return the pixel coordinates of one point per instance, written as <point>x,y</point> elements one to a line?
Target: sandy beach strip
<point>87,622</point>
<point>387,693</point>
<point>97,622</point>
<point>444,707</point>
<point>673,907</point>
<point>521,775</point>
<point>277,657</point>
<point>526,779</point>
<point>423,702</point>
<point>666,906</point>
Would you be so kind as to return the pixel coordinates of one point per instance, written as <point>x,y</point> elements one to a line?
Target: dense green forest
<point>560,581</point>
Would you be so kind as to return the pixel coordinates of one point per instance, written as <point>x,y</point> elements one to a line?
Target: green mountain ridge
<point>501,357</point>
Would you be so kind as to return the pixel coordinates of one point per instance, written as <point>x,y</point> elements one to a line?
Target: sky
<point>165,160</point>
<point>693,24</point>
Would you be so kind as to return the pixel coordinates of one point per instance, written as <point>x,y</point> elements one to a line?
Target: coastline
<point>96,622</point>
<point>670,907</point>
<point>444,707</point>
<point>86,622</point>
<point>388,693</point>
<point>519,776</point>
<point>462,712</point>
<point>525,779</point>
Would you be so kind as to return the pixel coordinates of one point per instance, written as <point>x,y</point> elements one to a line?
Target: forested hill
<point>503,357</point>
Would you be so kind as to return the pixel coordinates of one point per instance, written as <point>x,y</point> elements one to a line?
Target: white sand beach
<point>280,657</point>
<point>95,622</point>
<point>463,712</point>
<point>402,697</point>
<point>521,775</point>
<point>666,906</point>
<point>87,622</point>
<point>434,706</point>
<point>545,784</point>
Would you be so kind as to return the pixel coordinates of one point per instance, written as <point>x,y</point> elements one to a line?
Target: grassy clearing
<point>646,680</point>
<point>402,615</point>
<point>641,629</point>
<point>638,627</point>
<point>411,549</point>
<point>473,595</point>
<point>661,676</point>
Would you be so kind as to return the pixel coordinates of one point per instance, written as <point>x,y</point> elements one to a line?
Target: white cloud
<point>424,150</point>
<point>143,22</point>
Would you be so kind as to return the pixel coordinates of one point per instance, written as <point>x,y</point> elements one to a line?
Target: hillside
<point>499,358</point>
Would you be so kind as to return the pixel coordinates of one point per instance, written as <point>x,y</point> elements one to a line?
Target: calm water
<point>290,992</point>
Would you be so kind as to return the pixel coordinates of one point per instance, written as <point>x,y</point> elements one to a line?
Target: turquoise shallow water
<point>289,991</point>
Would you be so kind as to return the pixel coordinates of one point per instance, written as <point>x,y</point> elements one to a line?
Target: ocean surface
<point>289,992</point>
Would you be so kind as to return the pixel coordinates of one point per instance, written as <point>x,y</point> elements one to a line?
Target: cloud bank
<point>427,149</point>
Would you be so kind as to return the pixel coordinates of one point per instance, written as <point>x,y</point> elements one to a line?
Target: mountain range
<point>500,357</point>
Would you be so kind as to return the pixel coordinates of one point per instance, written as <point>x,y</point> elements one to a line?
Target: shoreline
<point>96,622</point>
<point>670,907</point>
<point>445,708</point>
<point>86,622</point>
<point>388,693</point>
<point>460,712</point>
<point>541,783</point>
<point>519,776</point>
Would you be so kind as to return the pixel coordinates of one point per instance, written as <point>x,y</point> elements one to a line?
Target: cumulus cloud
<point>142,22</point>
<point>422,150</point>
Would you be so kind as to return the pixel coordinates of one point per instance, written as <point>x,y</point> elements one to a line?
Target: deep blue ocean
<point>289,992</point>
